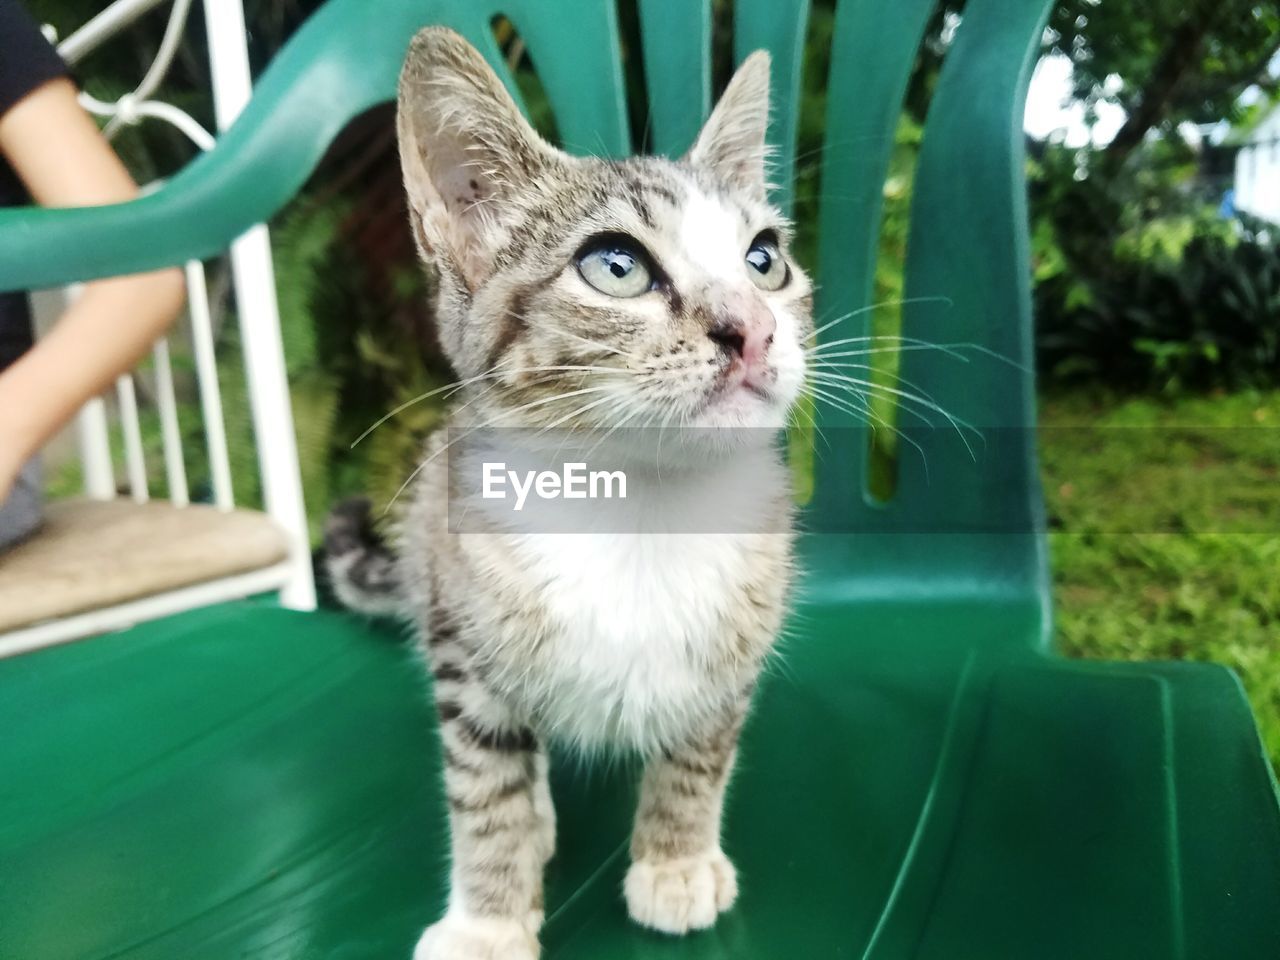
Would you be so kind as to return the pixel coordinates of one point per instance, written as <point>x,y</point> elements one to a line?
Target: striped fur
<point>638,643</point>
<point>361,568</point>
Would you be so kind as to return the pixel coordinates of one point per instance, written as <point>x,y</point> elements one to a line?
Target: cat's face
<point>589,293</point>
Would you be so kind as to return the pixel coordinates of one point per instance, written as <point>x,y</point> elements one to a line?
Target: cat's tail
<point>362,568</point>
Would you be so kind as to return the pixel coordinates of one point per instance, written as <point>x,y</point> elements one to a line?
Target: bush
<point>1210,318</point>
<point>1141,284</point>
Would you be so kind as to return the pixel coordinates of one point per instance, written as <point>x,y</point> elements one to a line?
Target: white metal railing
<point>254,285</point>
<point>115,18</point>
<point>253,275</point>
<point>207,379</point>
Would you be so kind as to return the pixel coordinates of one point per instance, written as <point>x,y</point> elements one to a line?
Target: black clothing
<point>27,61</point>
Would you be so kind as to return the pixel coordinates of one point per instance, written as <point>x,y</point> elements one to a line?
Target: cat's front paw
<point>676,896</point>
<point>478,938</point>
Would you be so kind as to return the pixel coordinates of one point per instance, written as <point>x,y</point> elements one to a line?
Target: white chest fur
<point>638,624</point>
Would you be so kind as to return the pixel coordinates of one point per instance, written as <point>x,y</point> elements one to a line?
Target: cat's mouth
<point>739,378</point>
<point>737,392</point>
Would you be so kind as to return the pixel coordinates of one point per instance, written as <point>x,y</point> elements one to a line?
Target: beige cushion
<point>90,555</point>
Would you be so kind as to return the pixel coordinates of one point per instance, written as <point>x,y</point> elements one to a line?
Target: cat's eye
<point>765,265</point>
<point>616,266</point>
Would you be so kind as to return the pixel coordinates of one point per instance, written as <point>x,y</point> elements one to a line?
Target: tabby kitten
<point>583,292</point>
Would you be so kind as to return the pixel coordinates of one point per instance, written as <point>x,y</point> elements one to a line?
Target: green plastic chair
<point>921,777</point>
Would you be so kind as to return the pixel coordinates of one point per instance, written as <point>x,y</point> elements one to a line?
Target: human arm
<point>63,160</point>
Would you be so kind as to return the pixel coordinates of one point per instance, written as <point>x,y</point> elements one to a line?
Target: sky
<point>1052,111</point>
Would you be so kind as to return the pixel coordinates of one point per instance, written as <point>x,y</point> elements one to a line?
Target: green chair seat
<point>248,782</point>
<point>920,779</point>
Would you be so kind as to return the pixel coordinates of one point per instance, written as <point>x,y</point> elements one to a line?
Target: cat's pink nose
<point>745,334</point>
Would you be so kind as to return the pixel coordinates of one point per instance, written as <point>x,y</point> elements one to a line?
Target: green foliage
<point>1182,302</point>
<point>1166,533</point>
<point>811,133</point>
<point>1138,283</point>
<point>890,289</point>
<point>348,360</point>
<point>1163,63</point>
<point>532,93</point>
<point>1194,59</point>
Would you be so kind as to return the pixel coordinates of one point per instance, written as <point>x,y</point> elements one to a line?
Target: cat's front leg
<point>493,781</point>
<point>680,880</point>
<point>543,806</point>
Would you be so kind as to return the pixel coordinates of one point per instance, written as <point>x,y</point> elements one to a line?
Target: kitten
<point>583,292</point>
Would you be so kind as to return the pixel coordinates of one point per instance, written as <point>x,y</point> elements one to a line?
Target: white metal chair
<point>104,562</point>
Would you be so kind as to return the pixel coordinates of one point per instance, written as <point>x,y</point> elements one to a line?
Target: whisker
<point>951,349</point>
<point>635,409</point>
<point>489,388</point>
<point>449,389</point>
<point>846,383</point>
<point>576,413</point>
<point>541,401</point>
<point>943,347</point>
<point>866,411</point>
<point>995,355</point>
<point>488,423</point>
<point>591,343</point>
<point>423,465</point>
<point>792,423</point>
<point>583,409</point>
<point>955,422</point>
<point>820,349</point>
<point>876,306</point>
<point>456,385</point>
<point>831,368</point>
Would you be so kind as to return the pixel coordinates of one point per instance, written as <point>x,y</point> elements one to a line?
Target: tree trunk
<point>1177,59</point>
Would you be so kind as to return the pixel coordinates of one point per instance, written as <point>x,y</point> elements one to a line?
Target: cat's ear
<point>733,143</point>
<point>465,151</point>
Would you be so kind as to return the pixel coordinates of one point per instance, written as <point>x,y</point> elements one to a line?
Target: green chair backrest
<point>962,523</point>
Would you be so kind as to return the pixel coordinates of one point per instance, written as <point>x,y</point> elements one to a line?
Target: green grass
<point>1166,542</point>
